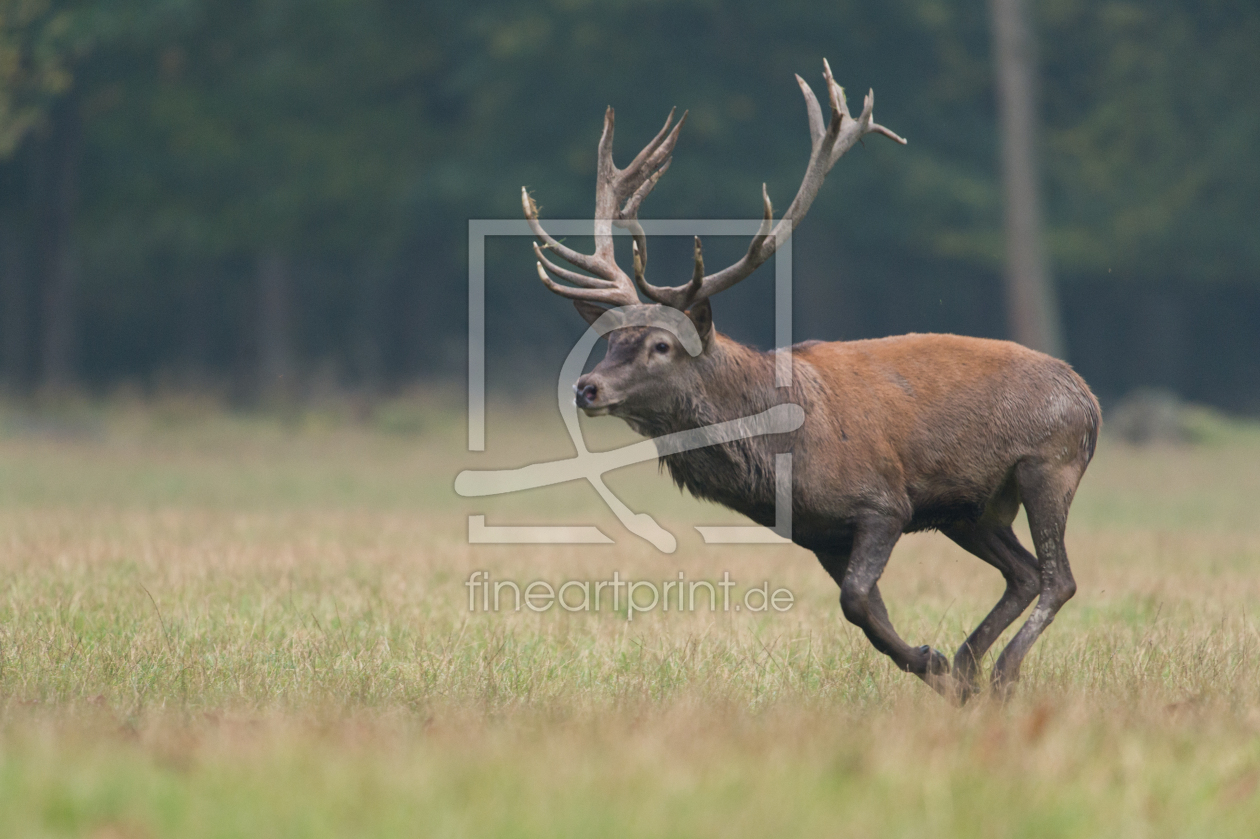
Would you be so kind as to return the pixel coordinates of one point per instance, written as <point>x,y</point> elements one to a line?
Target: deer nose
<point>585,393</point>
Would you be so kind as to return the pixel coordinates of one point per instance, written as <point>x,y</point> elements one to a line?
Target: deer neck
<point>736,381</point>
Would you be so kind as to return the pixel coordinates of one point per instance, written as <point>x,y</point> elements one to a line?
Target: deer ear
<point>701,315</point>
<point>589,311</point>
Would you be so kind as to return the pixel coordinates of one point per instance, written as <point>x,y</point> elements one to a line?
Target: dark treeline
<point>262,196</point>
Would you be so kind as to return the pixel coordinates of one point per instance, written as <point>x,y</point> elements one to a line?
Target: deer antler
<point>618,194</point>
<point>829,143</point>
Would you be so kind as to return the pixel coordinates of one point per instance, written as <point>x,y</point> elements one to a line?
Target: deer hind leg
<point>1047,491</point>
<point>997,545</point>
<point>864,607</point>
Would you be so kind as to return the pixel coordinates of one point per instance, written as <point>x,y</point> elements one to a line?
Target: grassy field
<point>214,625</point>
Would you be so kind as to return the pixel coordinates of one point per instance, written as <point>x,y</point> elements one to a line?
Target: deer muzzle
<point>586,392</point>
<point>591,396</point>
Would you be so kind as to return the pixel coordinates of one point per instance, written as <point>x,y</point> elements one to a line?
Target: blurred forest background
<point>267,198</point>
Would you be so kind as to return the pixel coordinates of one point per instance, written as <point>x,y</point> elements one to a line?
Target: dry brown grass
<point>221,627</point>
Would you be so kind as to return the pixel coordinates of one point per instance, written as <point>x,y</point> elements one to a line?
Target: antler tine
<point>609,285</point>
<point>816,127</point>
<point>638,245</point>
<point>697,274</point>
<point>630,211</point>
<point>868,108</point>
<point>610,296</point>
<point>839,104</point>
<point>649,169</point>
<point>678,298</point>
<point>682,297</point>
<point>574,277</point>
<point>656,141</point>
<point>767,218</point>
<point>828,144</point>
<point>581,260</point>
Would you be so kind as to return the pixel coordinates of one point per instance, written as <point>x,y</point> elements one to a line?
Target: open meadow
<point>216,625</point>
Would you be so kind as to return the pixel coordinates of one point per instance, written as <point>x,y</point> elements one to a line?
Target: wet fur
<point>926,425</point>
<point>908,433</point>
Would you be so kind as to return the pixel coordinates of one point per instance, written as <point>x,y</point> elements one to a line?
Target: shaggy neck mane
<point>735,381</point>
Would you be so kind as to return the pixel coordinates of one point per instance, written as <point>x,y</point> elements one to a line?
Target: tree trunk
<point>1032,310</point>
<point>275,353</point>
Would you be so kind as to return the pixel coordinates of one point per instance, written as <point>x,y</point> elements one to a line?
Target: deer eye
<point>661,347</point>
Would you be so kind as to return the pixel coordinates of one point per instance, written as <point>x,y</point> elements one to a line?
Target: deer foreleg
<point>864,607</point>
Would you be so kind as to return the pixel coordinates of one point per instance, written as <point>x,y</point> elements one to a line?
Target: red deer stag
<point>901,434</point>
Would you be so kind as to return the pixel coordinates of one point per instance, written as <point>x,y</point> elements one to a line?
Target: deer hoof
<point>939,676</point>
<point>937,663</point>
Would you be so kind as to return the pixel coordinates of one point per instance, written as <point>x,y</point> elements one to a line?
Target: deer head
<point>647,366</point>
